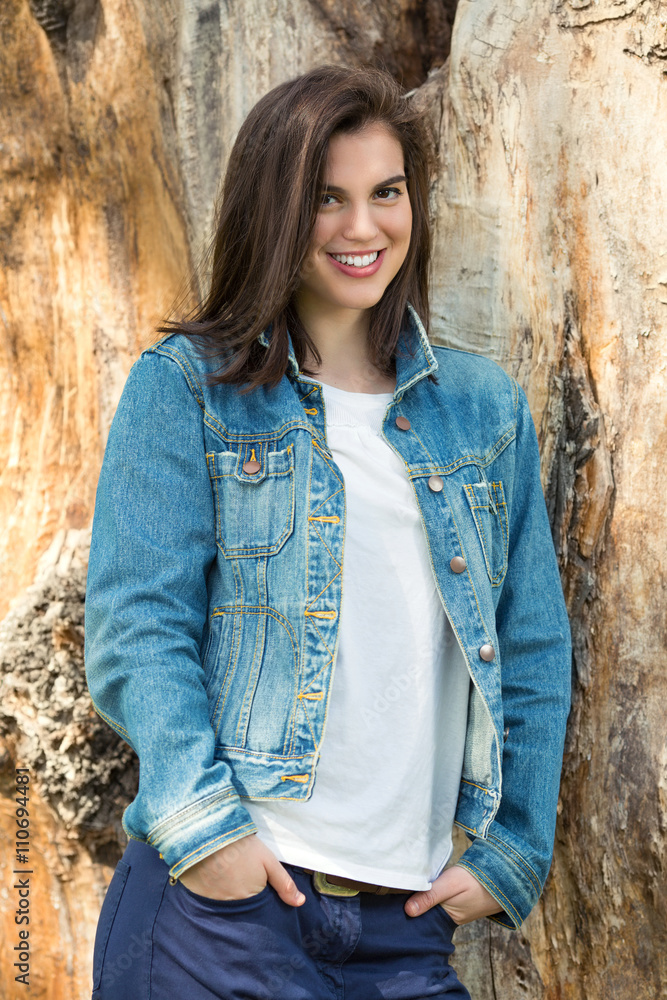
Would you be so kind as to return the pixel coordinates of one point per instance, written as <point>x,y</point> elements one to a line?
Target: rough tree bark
<point>115,121</point>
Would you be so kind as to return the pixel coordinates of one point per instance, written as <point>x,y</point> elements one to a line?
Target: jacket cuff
<point>200,829</point>
<point>503,878</point>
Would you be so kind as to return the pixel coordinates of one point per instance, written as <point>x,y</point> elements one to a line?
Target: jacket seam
<point>260,609</point>
<point>516,858</point>
<point>498,894</point>
<point>265,437</point>
<point>222,837</point>
<point>187,811</point>
<point>250,610</point>
<point>246,751</point>
<point>252,678</point>
<point>485,460</point>
<point>186,367</point>
<point>122,732</point>
<point>234,644</point>
<point>326,500</point>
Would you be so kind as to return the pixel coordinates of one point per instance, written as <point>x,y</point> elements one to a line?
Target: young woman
<point>323,604</point>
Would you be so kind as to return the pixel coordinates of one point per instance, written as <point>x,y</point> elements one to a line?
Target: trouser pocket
<point>106,921</point>
<point>123,943</point>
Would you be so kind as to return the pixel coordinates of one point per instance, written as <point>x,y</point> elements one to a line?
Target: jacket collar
<point>414,357</point>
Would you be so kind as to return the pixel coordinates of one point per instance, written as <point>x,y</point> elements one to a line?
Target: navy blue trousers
<point>157,941</point>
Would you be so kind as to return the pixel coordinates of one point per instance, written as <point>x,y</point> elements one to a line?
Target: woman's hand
<point>240,870</point>
<point>464,897</point>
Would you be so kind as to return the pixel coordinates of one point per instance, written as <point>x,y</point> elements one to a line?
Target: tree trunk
<point>550,256</point>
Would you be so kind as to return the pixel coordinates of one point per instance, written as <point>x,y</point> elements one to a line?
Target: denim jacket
<point>214,591</point>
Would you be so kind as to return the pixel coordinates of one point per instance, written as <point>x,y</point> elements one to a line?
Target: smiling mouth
<point>356,260</point>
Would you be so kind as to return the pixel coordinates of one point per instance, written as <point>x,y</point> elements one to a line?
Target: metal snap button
<point>435,483</point>
<point>487,652</point>
<point>403,423</point>
<point>458,565</point>
<point>251,468</point>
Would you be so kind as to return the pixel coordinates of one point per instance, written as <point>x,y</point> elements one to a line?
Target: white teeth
<point>356,261</point>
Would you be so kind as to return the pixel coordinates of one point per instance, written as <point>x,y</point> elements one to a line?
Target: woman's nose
<point>360,226</point>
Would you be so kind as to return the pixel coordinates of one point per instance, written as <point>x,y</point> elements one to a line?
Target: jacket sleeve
<point>513,859</point>
<point>152,546</point>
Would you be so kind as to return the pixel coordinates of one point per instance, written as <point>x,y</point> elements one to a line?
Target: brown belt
<point>337,885</point>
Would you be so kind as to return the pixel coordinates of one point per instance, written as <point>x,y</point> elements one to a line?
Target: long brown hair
<point>270,199</point>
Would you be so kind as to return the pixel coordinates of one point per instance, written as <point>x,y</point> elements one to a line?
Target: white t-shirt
<point>388,777</point>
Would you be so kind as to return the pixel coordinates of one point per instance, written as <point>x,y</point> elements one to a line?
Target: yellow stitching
<point>444,604</point>
<point>330,553</point>
<point>252,455</point>
<point>260,610</point>
<point>114,725</point>
<point>295,777</point>
<point>214,841</point>
<point>263,550</point>
<point>321,614</point>
<point>294,424</point>
<point>468,864</point>
<point>330,581</point>
<point>502,518</point>
<point>315,387</point>
<point>330,497</point>
<point>190,377</point>
<point>412,429</point>
<point>262,755</point>
<point>234,644</point>
<point>310,727</point>
<point>481,787</point>
<point>498,578</point>
<point>322,640</point>
<point>272,613</point>
<point>252,674</point>
<point>269,475</point>
<point>520,863</point>
<point>194,807</point>
<point>481,461</point>
<point>312,411</point>
<point>312,695</point>
<point>326,460</point>
<point>308,557</point>
<point>329,520</point>
<point>287,798</point>
<point>470,829</point>
<point>324,666</point>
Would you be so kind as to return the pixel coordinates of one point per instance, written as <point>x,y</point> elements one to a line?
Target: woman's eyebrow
<point>390,180</point>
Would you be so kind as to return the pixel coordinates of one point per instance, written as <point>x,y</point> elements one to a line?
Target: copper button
<point>403,423</point>
<point>487,652</point>
<point>250,468</point>
<point>506,732</point>
<point>435,483</point>
<point>458,565</point>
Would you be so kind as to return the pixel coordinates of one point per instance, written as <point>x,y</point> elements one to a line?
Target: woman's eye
<point>388,194</point>
<point>328,199</point>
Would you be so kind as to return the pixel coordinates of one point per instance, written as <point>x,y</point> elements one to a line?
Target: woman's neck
<point>341,339</point>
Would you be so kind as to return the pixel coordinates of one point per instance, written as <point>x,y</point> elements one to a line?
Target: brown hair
<point>270,199</point>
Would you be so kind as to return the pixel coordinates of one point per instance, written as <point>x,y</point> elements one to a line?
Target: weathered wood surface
<point>551,256</point>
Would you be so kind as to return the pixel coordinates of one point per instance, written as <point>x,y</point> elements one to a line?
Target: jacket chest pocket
<point>489,511</point>
<point>254,500</point>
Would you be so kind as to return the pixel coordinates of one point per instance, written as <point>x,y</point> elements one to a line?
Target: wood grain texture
<point>551,258</point>
<point>116,118</point>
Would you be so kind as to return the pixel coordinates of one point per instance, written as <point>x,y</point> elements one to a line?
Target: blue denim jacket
<point>214,592</point>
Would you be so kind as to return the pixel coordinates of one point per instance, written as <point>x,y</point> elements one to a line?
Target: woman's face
<point>363,227</point>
